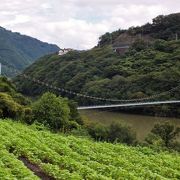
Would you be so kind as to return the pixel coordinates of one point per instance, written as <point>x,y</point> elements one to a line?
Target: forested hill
<point>145,70</point>
<point>19,51</point>
<point>162,27</point>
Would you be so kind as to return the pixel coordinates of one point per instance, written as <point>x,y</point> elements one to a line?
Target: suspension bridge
<point>121,102</point>
<point>128,105</point>
<point>146,101</point>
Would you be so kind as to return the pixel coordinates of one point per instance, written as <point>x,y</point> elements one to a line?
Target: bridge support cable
<point>98,98</point>
<point>46,84</point>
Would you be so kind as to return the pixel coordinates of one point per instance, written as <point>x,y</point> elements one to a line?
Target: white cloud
<point>78,23</point>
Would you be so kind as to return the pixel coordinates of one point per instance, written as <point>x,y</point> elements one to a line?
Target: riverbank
<point>141,124</point>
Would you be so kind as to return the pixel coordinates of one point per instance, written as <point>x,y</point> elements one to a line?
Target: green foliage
<point>162,27</point>
<point>121,134</point>
<point>98,132</point>
<point>12,104</point>
<point>154,140</point>
<point>69,157</point>
<point>18,51</point>
<point>9,108</point>
<point>101,72</point>
<point>51,111</point>
<point>74,114</point>
<point>115,133</point>
<point>167,132</point>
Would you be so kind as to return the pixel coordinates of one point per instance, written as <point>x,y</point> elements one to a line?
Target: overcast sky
<point>78,23</point>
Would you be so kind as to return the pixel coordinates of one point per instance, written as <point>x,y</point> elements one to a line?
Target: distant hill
<point>147,68</point>
<point>19,51</point>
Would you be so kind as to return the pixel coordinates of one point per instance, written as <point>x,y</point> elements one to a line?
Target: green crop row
<point>68,157</point>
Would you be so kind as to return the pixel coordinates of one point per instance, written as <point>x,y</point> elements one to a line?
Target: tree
<point>9,107</point>
<point>74,114</point>
<point>51,111</point>
<point>167,132</point>
<point>121,134</point>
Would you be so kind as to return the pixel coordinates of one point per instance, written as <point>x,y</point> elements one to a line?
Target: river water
<point>140,123</point>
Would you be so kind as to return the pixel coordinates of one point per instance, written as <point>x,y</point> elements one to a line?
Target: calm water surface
<point>140,123</point>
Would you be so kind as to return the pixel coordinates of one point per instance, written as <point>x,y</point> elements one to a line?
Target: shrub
<point>98,132</point>
<point>121,134</point>
<point>51,111</point>
<point>115,133</point>
<point>167,132</point>
<point>9,108</point>
<point>164,136</point>
<point>80,132</point>
<point>74,114</point>
<point>28,116</point>
<point>154,140</point>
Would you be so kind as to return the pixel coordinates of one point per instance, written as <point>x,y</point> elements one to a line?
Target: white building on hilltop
<point>64,51</point>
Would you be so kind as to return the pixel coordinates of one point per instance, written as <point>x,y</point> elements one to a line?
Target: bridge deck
<point>128,104</point>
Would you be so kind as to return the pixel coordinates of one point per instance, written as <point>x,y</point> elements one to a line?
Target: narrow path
<point>35,169</point>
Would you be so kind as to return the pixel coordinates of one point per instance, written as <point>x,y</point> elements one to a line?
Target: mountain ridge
<point>19,51</point>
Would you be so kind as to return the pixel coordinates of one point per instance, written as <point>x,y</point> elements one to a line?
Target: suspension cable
<point>37,81</point>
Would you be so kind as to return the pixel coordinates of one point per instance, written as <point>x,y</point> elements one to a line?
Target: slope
<point>19,51</point>
<point>102,73</point>
<point>26,151</point>
<point>162,27</point>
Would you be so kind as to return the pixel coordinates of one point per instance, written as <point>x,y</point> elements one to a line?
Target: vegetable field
<point>26,153</point>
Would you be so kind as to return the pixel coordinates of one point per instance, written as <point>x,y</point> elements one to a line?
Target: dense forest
<point>19,51</point>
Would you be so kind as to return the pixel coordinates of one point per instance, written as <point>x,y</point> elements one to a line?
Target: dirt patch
<point>36,169</point>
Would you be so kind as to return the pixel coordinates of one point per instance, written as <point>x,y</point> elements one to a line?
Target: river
<point>141,124</point>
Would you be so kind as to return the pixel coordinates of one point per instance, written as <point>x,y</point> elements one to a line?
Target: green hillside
<point>162,27</point>
<point>103,73</point>
<point>19,51</point>
<point>27,153</point>
<point>149,66</point>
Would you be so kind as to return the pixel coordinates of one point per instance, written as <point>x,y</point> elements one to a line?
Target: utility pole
<point>176,36</point>
<point>0,69</point>
<point>111,41</point>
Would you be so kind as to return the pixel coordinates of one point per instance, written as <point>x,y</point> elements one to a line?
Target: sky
<point>79,23</point>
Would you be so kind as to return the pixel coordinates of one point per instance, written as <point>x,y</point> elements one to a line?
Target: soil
<point>36,169</point>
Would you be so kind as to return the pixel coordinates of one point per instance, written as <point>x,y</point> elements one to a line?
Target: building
<point>121,49</point>
<point>64,51</point>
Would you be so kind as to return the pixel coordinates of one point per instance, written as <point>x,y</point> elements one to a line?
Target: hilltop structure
<point>64,51</point>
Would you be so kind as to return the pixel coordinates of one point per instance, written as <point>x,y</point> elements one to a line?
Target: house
<point>121,49</point>
<point>64,51</point>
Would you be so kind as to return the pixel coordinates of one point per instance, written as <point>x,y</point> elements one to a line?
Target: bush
<point>115,133</point>
<point>9,108</point>
<point>167,132</point>
<point>154,140</point>
<point>98,132</point>
<point>121,134</point>
<point>164,136</point>
<point>51,111</point>
<point>28,116</point>
<point>74,114</point>
<point>80,132</point>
